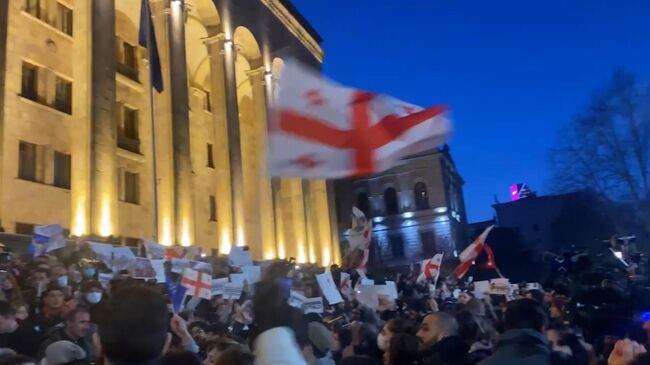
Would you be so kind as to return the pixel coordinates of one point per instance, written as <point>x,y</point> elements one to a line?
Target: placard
<point>240,256</point>
<point>122,258</point>
<point>313,305</point>
<point>104,278</point>
<point>154,250</point>
<point>328,287</point>
<point>232,291</point>
<point>481,288</point>
<point>143,269</point>
<point>367,295</point>
<point>252,274</point>
<point>237,279</point>
<point>159,267</point>
<point>296,299</point>
<point>179,265</point>
<point>218,286</point>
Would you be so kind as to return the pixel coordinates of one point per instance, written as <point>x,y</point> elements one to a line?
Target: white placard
<point>253,274</point>
<point>367,295</point>
<point>179,265</point>
<point>218,286</point>
<point>296,299</point>
<point>533,286</point>
<point>240,256</point>
<point>313,305</point>
<point>481,288</point>
<point>232,291</point>
<point>391,289</point>
<point>154,250</point>
<point>159,266</point>
<point>104,278</point>
<point>122,258</point>
<point>366,281</point>
<point>328,287</point>
<point>103,251</point>
<point>500,286</point>
<point>237,279</point>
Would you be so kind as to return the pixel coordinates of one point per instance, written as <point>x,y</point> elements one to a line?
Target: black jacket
<point>25,340</point>
<point>523,346</point>
<point>450,350</point>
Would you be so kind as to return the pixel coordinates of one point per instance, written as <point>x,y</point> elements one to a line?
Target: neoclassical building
<point>417,208</point>
<point>87,143</point>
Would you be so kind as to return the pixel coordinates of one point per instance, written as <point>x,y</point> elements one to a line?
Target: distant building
<point>549,223</point>
<point>417,208</point>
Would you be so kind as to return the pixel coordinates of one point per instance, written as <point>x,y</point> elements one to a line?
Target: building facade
<point>86,142</point>
<point>417,209</point>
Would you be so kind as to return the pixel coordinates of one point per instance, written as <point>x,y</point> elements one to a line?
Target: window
<point>64,19</point>
<point>213,209</point>
<point>24,228</point>
<point>128,137</point>
<point>27,161</point>
<point>210,155</point>
<point>131,187</point>
<point>390,201</point>
<point>29,87</point>
<point>63,96</point>
<point>61,170</point>
<point>127,59</point>
<point>421,196</point>
<point>33,7</point>
<point>396,245</point>
<point>208,103</point>
<point>132,242</point>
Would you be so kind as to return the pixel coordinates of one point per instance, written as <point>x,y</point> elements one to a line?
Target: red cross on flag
<point>471,252</point>
<point>198,284</point>
<point>345,287</point>
<point>430,269</point>
<point>320,129</point>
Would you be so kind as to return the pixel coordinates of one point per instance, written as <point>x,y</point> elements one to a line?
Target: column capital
<point>218,39</point>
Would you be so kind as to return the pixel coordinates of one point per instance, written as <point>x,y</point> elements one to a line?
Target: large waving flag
<point>147,39</point>
<point>320,129</point>
<point>471,252</point>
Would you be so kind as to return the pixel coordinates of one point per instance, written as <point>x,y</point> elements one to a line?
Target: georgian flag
<point>471,252</point>
<point>430,269</point>
<point>198,284</point>
<point>345,287</point>
<point>320,129</point>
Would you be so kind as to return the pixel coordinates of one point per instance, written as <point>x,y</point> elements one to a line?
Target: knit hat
<point>319,336</point>
<point>63,352</point>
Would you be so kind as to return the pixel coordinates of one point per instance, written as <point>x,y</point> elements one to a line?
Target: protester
<point>65,353</point>
<point>76,328</point>
<point>440,341</point>
<point>402,350</point>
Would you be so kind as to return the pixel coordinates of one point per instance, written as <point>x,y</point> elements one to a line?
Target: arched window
<point>390,201</point>
<point>421,196</point>
<point>363,203</point>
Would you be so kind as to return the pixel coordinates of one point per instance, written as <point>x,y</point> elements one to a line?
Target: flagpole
<point>153,124</point>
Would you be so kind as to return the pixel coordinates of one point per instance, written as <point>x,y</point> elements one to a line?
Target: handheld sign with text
<point>313,305</point>
<point>240,256</point>
<point>296,299</point>
<point>232,291</point>
<point>328,287</point>
<point>218,285</point>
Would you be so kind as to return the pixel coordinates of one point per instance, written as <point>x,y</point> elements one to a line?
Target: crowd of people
<point>55,311</point>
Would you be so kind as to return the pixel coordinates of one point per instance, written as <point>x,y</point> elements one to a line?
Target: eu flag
<point>147,31</point>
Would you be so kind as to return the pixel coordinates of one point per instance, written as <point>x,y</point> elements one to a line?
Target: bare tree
<point>606,147</point>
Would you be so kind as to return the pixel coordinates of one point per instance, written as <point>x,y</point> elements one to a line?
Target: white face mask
<point>62,280</point>
<point>381,342</point>
<point>94,297</point>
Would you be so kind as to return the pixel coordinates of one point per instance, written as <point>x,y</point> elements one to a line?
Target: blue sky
<point>512,71</point>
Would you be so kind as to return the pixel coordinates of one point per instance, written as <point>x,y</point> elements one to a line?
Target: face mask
<point>89,272</point>
<point>62,280</point>
<point>381,342</point>
<point>94,297</point>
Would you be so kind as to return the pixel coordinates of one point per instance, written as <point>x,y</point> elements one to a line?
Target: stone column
<point>215,46</point>
<point>103,129</point>
<point>180,126</point>
<point>234,150</point>
<point>334,234</point>
<point>310,234</point>
<point>265,194</point>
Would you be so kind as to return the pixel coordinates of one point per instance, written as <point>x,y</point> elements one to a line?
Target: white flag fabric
<point>198,284</point>
<point>320,129</point>
<point>430,269</point>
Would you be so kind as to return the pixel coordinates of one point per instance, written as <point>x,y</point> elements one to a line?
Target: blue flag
<point>176,293</point>
<point>146,29</point>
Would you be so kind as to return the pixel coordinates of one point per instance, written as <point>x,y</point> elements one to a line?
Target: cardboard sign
<point>500,286</point>
<point>103,251</point>
<point>313,305</point>
<point>122,258</point>
<point>252,274</point>
<point>237,279</point>
<point>232,291</point>
<point>328,287</point>
<point>240,256</point>
<point>104,278</point>
<point>296,299</point>
<point>218,286</point>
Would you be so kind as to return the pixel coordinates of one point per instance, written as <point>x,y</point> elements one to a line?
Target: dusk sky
<point>512,71</point>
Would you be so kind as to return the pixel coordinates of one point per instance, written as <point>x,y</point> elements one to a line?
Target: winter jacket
<point>450,350</point>
<point>523,346</point>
